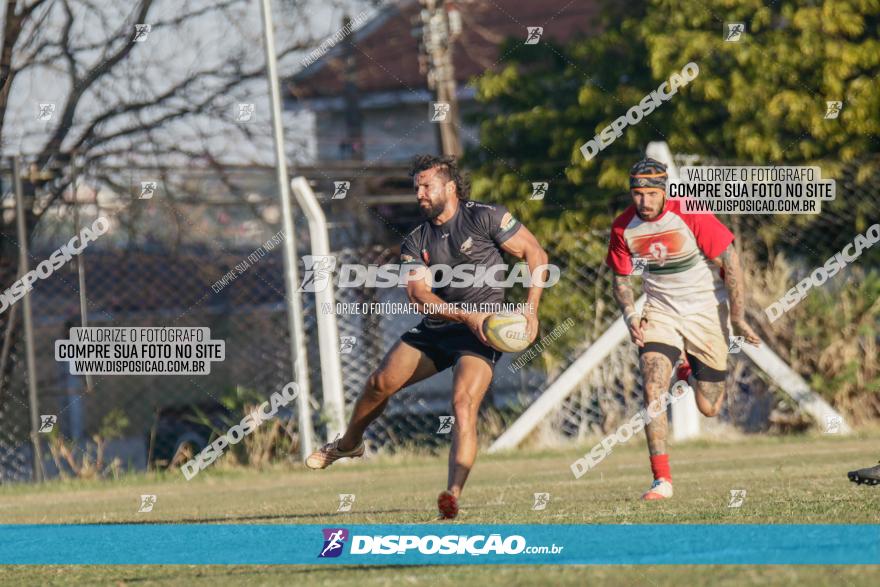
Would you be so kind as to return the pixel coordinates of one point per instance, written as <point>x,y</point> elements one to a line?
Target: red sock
<point>660,467</point>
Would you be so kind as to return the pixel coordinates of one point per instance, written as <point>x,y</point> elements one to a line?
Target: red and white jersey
<point>675,249</point>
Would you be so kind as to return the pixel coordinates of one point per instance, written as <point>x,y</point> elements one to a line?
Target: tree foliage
<point>760,100</point>
<point>757,101</point>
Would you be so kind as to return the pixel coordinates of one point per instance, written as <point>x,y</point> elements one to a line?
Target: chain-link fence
<point>184,249</point>
<point>178,255</point>
<point>776,251</point>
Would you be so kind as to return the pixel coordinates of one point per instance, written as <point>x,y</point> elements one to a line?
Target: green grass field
<point>788,480</point>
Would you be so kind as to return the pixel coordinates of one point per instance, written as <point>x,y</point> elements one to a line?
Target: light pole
<point>291,273</point>
<point>441,25</point>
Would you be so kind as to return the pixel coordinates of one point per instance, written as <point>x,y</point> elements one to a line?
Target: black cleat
<point>869,476</point>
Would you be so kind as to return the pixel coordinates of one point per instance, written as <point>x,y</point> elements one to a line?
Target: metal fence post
<point>80,261</point>
<point>21,226</point>
<point>291,281</point>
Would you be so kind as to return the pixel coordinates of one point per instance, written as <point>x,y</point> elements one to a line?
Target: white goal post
<point>328,333</point>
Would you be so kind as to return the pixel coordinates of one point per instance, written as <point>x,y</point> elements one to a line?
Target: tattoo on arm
<point>623,293</point>
<point>734,282</point>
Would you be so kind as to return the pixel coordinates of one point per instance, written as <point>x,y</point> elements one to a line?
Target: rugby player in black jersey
<point>457,231</point>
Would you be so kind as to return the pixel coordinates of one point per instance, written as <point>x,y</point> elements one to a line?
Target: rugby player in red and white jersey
<point>694,289</point>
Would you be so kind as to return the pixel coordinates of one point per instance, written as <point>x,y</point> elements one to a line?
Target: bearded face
<point>430,187</point>
<point>649,202</point>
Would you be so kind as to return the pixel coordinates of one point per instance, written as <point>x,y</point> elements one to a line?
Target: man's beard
<point>654,215</point>
<point>432,211</point>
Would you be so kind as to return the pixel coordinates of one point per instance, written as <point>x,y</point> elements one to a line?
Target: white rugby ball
<point>506,332</point>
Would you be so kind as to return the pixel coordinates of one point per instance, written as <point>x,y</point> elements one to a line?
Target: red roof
<point>387,52</point>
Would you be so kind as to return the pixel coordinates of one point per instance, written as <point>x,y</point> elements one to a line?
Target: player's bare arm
<point>418,289</point>
<point>621,288</point>
<point>710,394</point>
<point>524,245</point>
<point>733,281</point>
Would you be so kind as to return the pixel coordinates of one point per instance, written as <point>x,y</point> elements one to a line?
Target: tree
<point>115,96</point>
<point>541,105</point>
<point>124,96</point>
<point>759,100</point>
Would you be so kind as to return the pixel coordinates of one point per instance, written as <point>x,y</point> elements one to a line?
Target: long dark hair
<point>448,166</point>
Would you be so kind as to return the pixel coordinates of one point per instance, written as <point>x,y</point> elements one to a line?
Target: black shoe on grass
<point>869,476</point>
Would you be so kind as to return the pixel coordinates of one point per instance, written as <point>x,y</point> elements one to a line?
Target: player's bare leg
<point>402,366</point>
<point>656,371</point>
<point>710,397</point>
<point>471,380</point>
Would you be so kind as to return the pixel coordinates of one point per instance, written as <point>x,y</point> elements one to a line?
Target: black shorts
<point>447,343</point>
